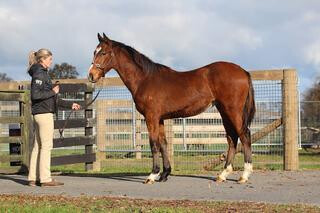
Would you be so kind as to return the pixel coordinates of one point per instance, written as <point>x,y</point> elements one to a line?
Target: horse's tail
<point>249,108</point>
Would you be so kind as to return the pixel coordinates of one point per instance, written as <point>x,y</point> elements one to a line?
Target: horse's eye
<point>103,53</point>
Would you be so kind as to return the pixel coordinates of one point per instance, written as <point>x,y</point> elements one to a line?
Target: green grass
<point>193,163</point>
<point>46,203</point>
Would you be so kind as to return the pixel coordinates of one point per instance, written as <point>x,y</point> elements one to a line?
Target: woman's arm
<point>63,103</point>
<point>38,92</point>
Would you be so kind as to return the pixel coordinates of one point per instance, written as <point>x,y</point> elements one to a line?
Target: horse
<point>161,93</point>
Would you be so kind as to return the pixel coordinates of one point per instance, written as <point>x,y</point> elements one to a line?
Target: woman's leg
<point>46,129</point>
<point>34,158</point>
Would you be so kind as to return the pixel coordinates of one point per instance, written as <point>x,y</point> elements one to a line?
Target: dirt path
<point>271,186</point>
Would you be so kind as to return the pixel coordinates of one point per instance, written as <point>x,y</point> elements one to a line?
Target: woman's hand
<point>56,89</point>
<point>76,106</point>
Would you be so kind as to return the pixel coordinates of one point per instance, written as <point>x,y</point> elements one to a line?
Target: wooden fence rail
<point>25,136</point>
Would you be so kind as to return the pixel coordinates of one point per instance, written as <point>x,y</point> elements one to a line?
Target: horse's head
<point>103,59</point>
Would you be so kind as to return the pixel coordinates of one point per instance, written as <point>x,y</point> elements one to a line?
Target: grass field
<point>61,204</point>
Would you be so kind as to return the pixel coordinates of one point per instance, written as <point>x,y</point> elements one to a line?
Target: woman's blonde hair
<point>36,57</point>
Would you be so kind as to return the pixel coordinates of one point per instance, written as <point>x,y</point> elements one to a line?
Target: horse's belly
<point>187,111</point>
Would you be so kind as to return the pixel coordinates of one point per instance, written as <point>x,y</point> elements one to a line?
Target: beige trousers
<point>40,160</point>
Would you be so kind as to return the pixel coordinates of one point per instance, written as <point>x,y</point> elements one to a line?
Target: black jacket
<point>44,100</point>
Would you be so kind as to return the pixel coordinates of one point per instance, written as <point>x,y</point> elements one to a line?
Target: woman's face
<point>47,62</point>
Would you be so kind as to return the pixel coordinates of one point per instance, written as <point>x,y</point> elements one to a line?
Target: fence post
<point>290,119</point>
<point>88,131</point>
<point>100,135</point>
<point>26,130</point>
<point>138,139</point>
<point>169,135</point>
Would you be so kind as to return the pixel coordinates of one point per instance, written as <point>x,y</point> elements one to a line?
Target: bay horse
<point>160,93</point>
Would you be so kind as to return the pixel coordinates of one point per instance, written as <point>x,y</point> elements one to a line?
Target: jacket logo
<point>38,82</point>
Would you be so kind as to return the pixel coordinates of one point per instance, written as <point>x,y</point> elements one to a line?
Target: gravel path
<point>269,186</point>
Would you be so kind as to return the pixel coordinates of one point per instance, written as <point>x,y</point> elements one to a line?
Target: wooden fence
<point>288,120</point>
<point>19,143</point>
<point>92,159</point>
<point>26,123</point>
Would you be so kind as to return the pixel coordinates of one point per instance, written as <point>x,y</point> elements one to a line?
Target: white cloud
<point>180,34</point>
<point>313,53</point>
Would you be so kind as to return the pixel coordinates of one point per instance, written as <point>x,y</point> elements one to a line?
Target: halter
<point>99,65</point>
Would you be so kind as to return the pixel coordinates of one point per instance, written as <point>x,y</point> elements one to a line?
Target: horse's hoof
<point>242,180</point>
<point>148,181</point>
<point>220,180</point>
<point>163,179</point>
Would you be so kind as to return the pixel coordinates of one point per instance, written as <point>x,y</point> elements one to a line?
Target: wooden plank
<point>11,139</point>
<point>11,170</point>
<point>14,85</point>
<point>103,82</point>
<point>82,103</point>
<point>75,141</point>
<point>8,158</point>
<point>72,81</point>
<point>254,138</point>
<point>267,74</point>
<point>11,120</point>
<point>74,123</point>
<point>9,96</point>
<point>266,130</point>
<point>72,159</point>
<point>73,88</point>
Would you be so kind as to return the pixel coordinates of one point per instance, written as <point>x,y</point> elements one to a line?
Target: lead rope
<point>61,130</point>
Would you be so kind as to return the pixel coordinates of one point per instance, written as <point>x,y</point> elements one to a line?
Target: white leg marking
<point>227,171</point>
<point>247,171</point>
<point>152,177</point>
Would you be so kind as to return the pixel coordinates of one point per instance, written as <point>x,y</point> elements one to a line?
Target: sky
<point>182,34</point>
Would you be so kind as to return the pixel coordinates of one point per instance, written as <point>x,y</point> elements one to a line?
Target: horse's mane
<point>145,63</point>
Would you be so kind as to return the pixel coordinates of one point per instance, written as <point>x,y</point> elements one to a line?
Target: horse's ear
<point>105,38</point>
<point>100,37</point>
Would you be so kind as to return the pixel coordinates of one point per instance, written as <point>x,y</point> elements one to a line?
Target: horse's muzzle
<point>90,78</point>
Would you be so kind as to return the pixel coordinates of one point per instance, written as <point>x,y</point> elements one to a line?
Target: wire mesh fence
<point>310,134</point>
<point>123,137</point>
<point>196,140</point>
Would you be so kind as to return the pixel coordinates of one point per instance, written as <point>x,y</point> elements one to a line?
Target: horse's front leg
<point>164,153</point>
<point>153,128</point>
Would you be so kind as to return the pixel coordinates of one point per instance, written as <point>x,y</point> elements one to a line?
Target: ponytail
<point>36,57</point>
<point>32,58</point>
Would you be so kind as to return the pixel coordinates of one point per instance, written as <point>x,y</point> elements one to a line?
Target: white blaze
<point>98,49</point>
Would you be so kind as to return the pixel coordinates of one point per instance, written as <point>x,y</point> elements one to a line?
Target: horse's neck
<point>129,72</point>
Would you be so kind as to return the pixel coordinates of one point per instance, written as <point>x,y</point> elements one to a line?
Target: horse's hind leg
<point>153,129</point>
<point>245,138</point>
<point>164,152</point>
<point>232,118</point>
<point>232,139</point>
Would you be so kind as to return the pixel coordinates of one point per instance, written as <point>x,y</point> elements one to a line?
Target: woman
<point>44,102</point>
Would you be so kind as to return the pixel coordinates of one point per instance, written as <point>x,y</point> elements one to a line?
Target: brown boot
<point>52,183</point>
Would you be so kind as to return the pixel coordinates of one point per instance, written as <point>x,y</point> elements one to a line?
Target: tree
<point>311,106</point>
<point>63,71</point>
<point>4,77</point>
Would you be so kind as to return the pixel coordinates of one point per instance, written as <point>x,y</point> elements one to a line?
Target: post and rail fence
<point>112,124</point>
